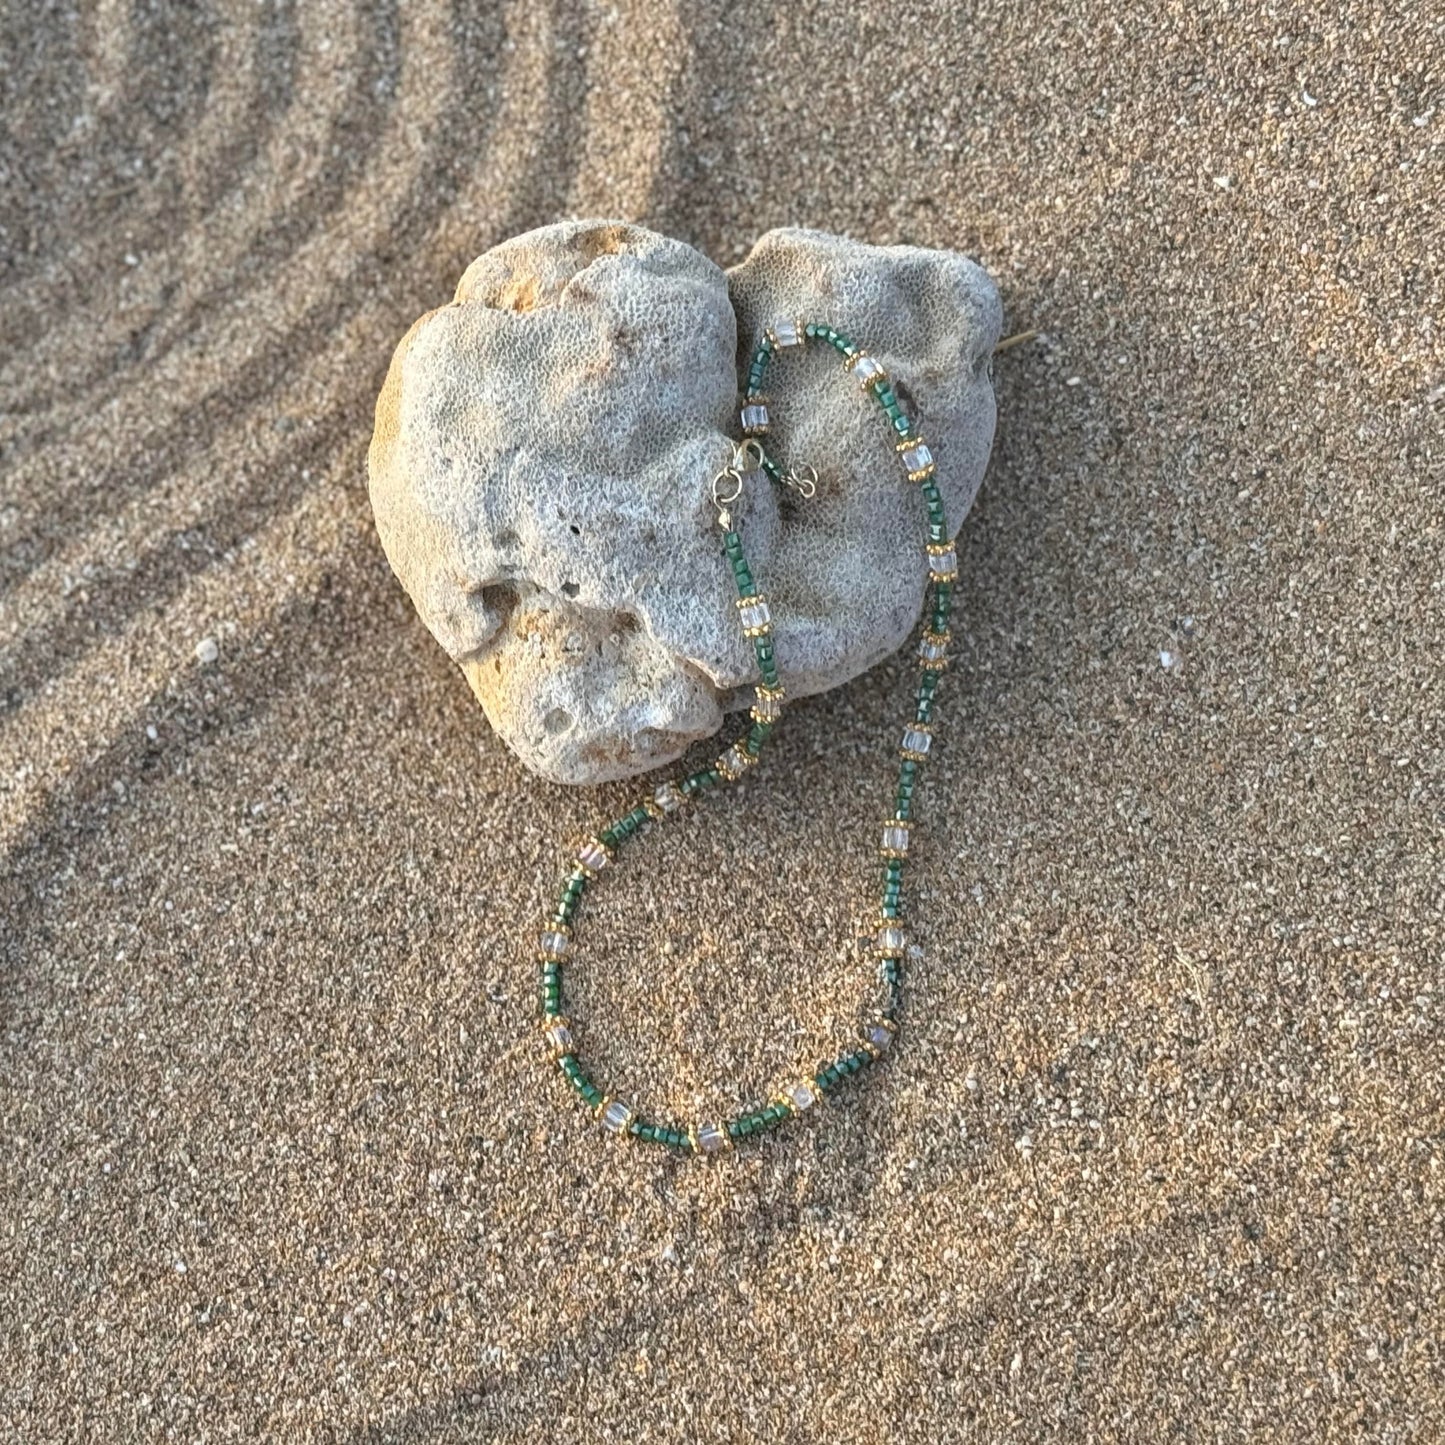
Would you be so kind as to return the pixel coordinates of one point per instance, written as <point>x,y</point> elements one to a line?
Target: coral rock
<point>544,452</point>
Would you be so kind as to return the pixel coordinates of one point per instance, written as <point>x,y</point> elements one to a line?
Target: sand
<point>1160,1155</point>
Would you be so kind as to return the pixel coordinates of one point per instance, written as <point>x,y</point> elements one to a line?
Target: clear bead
<point>890,939</point>
<point>754,615</point>
<point>592,855</point>
<point>754,418</point>
<point>915,740</point>
<point>711,1138</point>
<point>867,369</point>
<point>917,459</point>
<point>559,1036</point>
<point>895,838</point>
<point>879,1035</point>
<point>801,1095</point>
<point>943,564</point>
<point>768,707</point>
<point>668,798</point>
<point>933,648</point>
<point>616,1117</point>
<point>554,942</point>
<point>786,333</point>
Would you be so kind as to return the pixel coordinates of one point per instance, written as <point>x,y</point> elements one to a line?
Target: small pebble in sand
<point>1167,659</point>
<point>207,651</point>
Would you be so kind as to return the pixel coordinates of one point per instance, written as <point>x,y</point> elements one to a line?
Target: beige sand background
<point>279,1157</point>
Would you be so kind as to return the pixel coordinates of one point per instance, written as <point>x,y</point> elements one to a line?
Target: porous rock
<point>543,457</point>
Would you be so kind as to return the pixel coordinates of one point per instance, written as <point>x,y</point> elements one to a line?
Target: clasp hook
<point>803,479</point>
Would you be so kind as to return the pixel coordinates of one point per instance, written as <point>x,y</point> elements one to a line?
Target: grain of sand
<point>1161,1157</point>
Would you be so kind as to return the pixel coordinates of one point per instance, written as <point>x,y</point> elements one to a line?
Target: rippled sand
<point>1160,1156</point>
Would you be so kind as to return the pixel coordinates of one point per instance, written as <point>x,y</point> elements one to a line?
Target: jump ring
<point>728,474</point>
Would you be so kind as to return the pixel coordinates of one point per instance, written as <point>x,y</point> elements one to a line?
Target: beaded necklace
<point>750,462</point>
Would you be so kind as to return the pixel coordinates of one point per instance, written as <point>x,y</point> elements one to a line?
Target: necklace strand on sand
<point>599,853</point>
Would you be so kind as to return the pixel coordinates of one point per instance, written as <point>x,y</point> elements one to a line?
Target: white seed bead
<point>890,939</point>
<point>559,1036</point>
<point>786,333</point>
<point>895,838</point>
<point>754,615</point>
<point>801,1095</point>
<point>917,459</point>
<point>916,740</point>
<point>554,942</point>
<point>593,855</point>
<point>754,418</point>
<point>711,1138</point>
<point>867,369</point>
<point>943,564</point>
<point>616,1117</point>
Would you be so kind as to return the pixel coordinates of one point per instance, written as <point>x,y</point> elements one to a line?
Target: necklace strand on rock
<point>600,853</point>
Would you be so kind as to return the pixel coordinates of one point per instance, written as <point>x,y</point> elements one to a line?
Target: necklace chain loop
<point>886,939</point>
